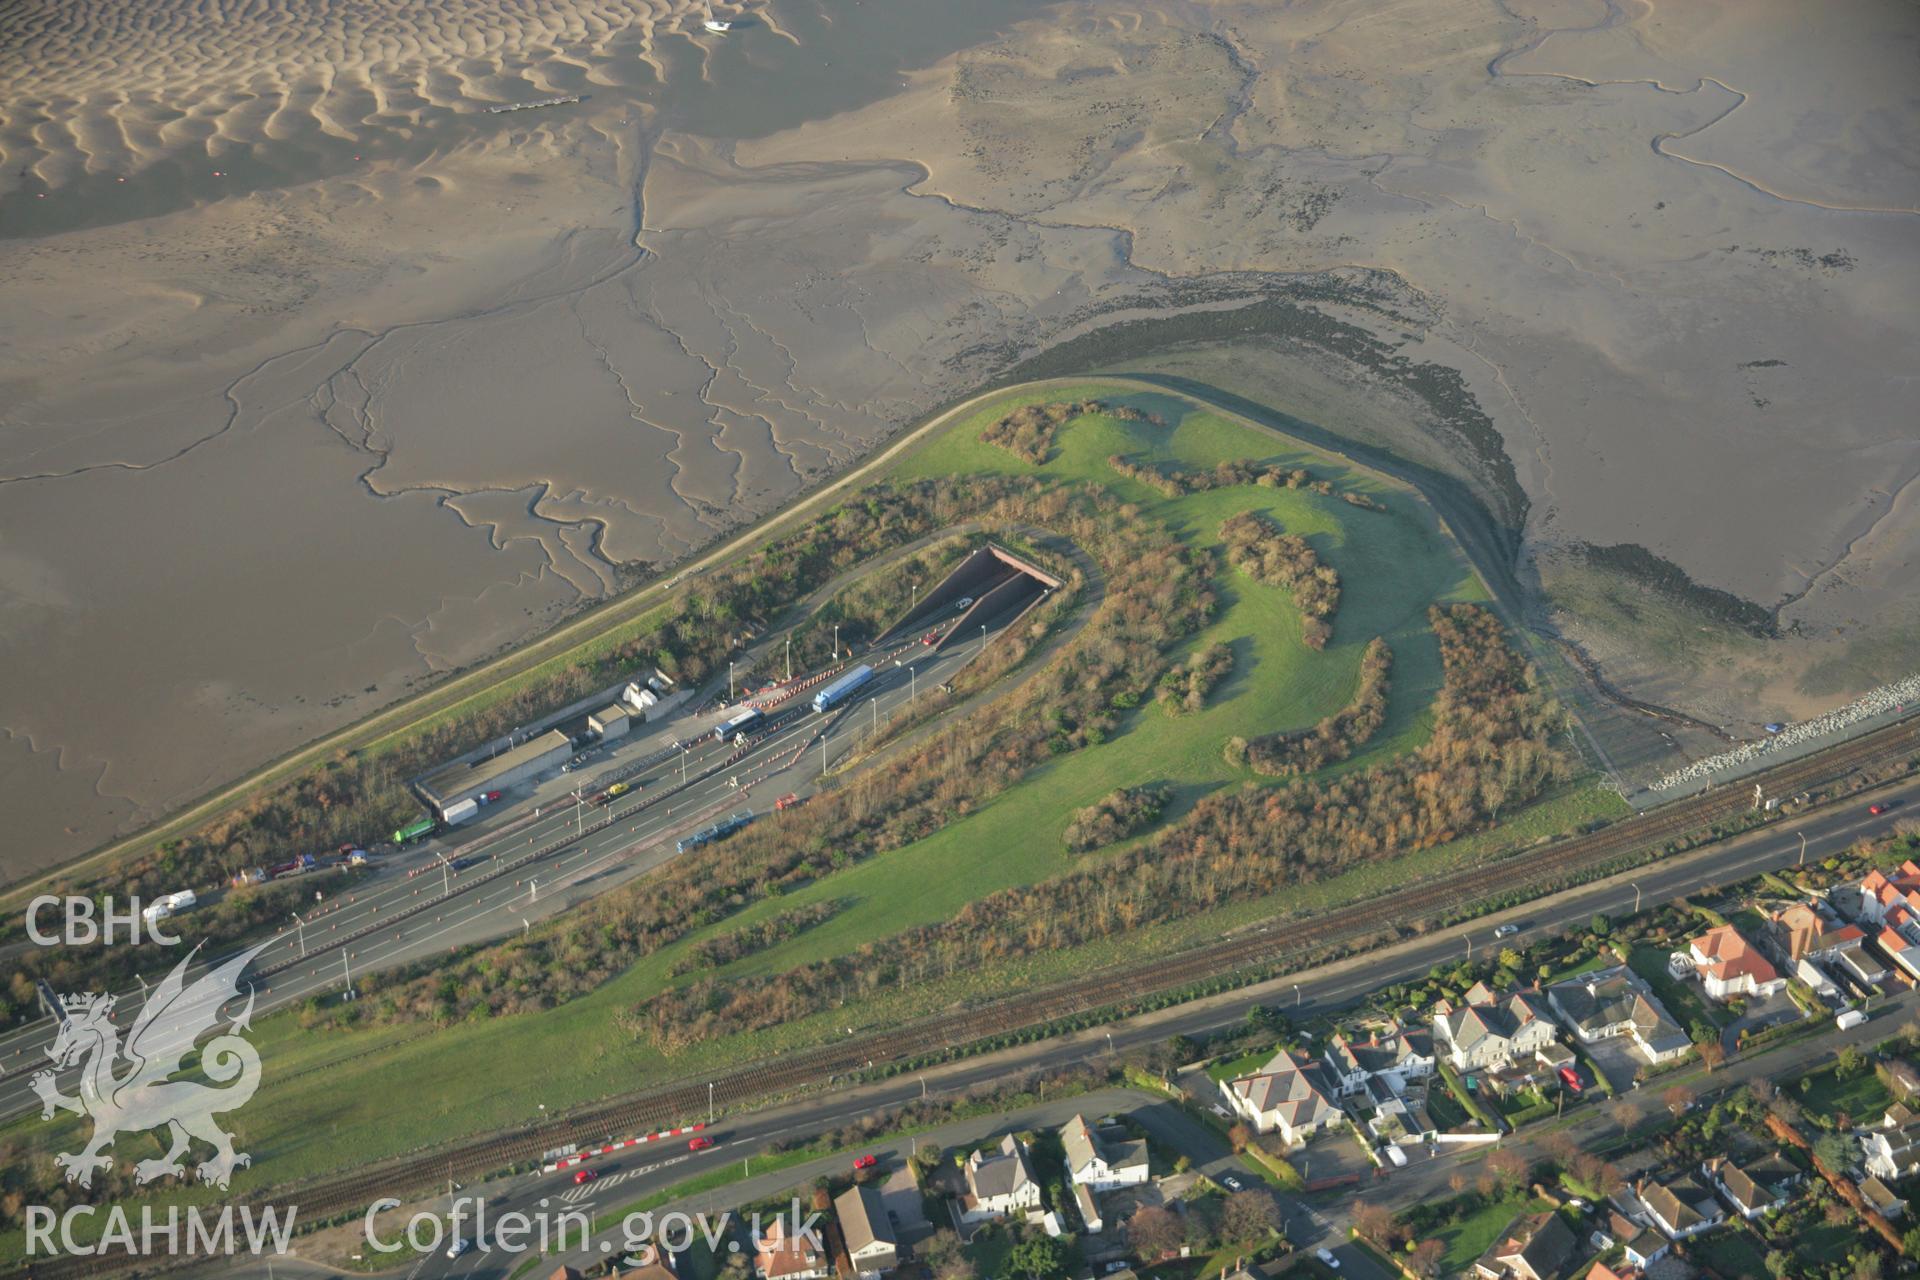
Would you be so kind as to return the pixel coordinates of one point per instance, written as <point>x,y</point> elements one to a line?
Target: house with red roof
<point>1730,967</point>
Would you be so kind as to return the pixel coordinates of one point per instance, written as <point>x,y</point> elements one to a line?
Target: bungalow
<point>1291,1095</point>
<point>1534,1246</point>
<point>1680,1207</point>
<point>868,1229</point>
<point>1398,1117</point>
<point>1892,1149</point>
<point>1810,931</point>
<point>1616,1002</point>
<point>1752,1187</point>
<point>1880,1198</point>
<point>1101,1166</point>
<point>1484,1034</point>
<point>1641,1244</point>
<point>782,1254</point>
<point>1392,1054</point>
<point>999,1184</point>
<point>1729,966</point>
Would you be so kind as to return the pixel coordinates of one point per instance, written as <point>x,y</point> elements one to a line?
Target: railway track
<point>1119,992</point>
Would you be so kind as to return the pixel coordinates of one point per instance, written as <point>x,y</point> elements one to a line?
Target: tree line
<point>1027,432</point>
<point>1172,480</point>
<point>1264,552</point>
<point>1338,736</point>
<point>1184,689</point>
<point>1114,817</point>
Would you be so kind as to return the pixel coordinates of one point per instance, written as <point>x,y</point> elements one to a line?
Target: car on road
<point>459,1246</point>
<point>1327,1259</point>
<point>865,1162</point>
<point>461,864</point>
<point>1877,809</point>
<point>491,796</point>
<point>619,789</point>
<point>584,1176</point>
<point>699,1144</point>
<point>1506,930</point>
<point>787,801</point>
<point>1232,1183</point>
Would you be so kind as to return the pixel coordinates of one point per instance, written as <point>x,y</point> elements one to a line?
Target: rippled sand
<point>349,382</point>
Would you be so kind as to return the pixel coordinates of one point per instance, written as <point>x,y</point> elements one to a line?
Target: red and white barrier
<point>581,1157</point>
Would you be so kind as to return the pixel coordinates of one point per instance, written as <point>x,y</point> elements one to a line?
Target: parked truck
<point>418,829</point>
<point>455,814</point>
<point>843,688</point>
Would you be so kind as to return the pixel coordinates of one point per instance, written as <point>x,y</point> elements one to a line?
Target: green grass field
<point>328,1100</point>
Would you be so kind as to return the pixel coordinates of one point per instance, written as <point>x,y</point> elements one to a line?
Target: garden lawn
<point>1827,1093</point>
<point>1472,1235</point>
<point>1734,1252</point>
<point>1683,1000</point>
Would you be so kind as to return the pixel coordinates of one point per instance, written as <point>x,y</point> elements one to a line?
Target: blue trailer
<point>842,689</point>
<point>718,831</point>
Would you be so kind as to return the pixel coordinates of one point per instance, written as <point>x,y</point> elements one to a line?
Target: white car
<point>459,1246</point>
<point>1326,1256</point>
<point>1506,931</point>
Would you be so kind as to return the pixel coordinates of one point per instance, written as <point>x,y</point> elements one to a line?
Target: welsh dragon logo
<point>129,1087</point>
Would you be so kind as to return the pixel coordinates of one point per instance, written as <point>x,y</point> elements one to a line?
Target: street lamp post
<point>983,637</point>
<point>789,658</point>
<point>1296,995</point>
<point>301,927</point>
<point>683,766</point>
<point>729,679</point>
<point>709,1102</point>
<point>1803,850</point>
<point>823,755</point>
<point>1636,899</point>
<point>874,702</point>
<point>836,642</point>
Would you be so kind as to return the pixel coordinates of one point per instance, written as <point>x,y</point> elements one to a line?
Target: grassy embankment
<point>329,1100</point>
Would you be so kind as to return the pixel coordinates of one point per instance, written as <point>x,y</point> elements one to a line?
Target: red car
<point>699,1144</point>
<point>1876,809</point>
<point>494,795</point>
<point>787,801</point>
<point>1571,1078</point>
<point>866,1162</point>
<point>584,1176</point>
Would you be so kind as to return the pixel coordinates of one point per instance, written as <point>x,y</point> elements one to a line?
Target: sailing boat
<point>712,23</point>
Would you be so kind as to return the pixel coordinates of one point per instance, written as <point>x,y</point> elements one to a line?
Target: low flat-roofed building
<point>452,783</point>
<point>611,721</point>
